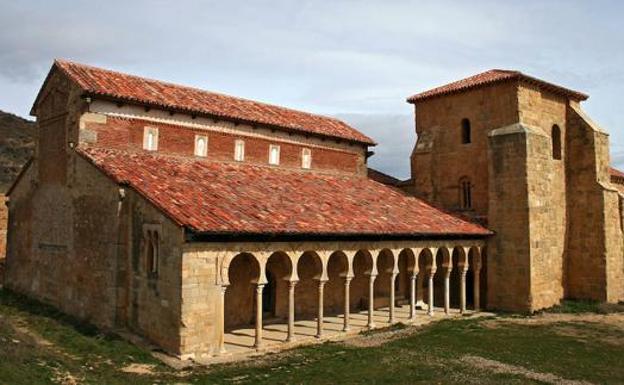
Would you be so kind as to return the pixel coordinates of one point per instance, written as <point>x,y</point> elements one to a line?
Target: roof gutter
<point>192,236</point>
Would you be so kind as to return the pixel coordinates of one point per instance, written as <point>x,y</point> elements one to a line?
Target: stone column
<point>476,288</point>
<point>258,342</point>
<point>462,291</point>
<point>447,291</point>
<point>412,310</point>
<point>371,301</point>
<point>420,279</point>
<point>347,309</point>
<point>392,299</point>
<point>319,321</point>
<point>222,321</point>
<point>430,304</point>
<point>291,311</point>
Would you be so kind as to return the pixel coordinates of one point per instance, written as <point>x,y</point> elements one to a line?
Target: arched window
<point>201,145</point>
<point>150,138</point>
<point>306,158</point>
<point>465,193</point>
<point>239,150</point>
<point>465,131</point>
<point>556,142</point>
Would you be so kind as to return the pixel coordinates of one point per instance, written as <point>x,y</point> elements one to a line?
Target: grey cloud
<point>338,57</point>
<point>396,137</point>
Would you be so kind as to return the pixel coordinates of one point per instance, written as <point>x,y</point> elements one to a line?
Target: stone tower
<point>518,154</point>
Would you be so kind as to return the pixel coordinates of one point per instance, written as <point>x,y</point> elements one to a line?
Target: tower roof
<point>491,77</point>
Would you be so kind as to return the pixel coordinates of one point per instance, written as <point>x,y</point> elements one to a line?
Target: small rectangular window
<point>306,158</point>
<point>274,154</point>
<point>239,150</point>
<point>201,145</point>
<point>150,138</point>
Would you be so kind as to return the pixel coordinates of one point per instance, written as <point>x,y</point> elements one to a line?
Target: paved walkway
<point>239,343</point>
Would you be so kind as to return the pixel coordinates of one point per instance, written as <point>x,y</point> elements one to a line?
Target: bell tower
<point>493,147</point>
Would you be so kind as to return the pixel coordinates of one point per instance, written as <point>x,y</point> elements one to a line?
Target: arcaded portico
<point>283,284</point>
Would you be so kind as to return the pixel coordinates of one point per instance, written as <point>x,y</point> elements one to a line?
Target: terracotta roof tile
<point>219,197</point>
<point>130,88</point>
<point>381,177</point>
<point>615,172</point>
<point>490,77</point>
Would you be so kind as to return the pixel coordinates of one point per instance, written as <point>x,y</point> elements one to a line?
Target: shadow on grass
<point>13,301</point>
<point>585,306</point>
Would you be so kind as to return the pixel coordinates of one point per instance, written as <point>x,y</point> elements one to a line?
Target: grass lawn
<point>41,346</point>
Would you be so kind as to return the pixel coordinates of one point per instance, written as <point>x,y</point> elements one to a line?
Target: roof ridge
<point>492,76</point>
<point>193,88</point>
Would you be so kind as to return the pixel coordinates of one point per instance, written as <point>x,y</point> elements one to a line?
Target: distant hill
<point>17,142</point>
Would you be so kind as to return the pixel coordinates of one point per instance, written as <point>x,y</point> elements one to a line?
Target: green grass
<point>432,355</point>
<point>586,306</point>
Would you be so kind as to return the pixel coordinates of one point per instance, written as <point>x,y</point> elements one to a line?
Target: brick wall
<point>128,133</point>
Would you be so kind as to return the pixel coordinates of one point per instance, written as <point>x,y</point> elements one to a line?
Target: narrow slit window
<point>274,154</point>
<point>465,191</point>
<point>466,134</point>
<point>556,142</point>
<point>239,150</point>
<point>306,158</point>
<point>152,252</point>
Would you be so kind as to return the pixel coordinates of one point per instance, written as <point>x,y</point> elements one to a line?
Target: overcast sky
<point>354,59</point>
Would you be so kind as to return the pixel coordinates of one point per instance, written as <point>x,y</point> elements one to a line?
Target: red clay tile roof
<point>129,88</point>
<point>493,76</point>
<point>229,198</point>
<point>615,172</point>
<point>617,176</point>
<point>381,177</point>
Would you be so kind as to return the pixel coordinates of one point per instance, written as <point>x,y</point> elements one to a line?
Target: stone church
<point>195,219</point>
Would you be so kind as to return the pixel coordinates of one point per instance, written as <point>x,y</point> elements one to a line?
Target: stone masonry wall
<point>147,303</point>
<point>546,180</point>
<point>508,274</point>
<point>75,237</point>
<point>62,243</point>
<point>595,242</point>
<point>440,159</point>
